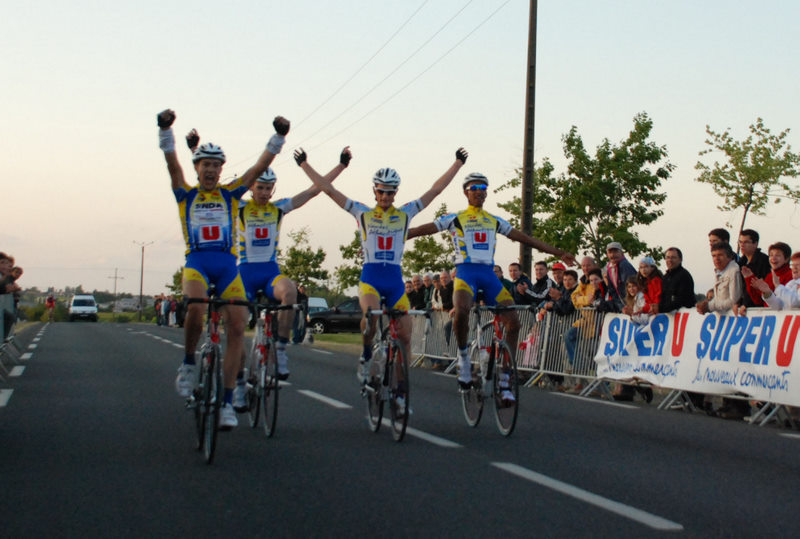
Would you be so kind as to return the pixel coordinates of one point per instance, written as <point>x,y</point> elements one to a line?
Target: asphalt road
<point>95,443</point>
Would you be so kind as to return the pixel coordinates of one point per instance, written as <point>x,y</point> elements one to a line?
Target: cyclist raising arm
<point>383,234</point>
<point>207,212</point>
<point>474,232</point>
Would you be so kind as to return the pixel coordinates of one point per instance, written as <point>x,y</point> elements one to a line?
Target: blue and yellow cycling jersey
<point>259,229</point>
<point>383,233</point>
<point>474,232</point>
<point>207,217</point>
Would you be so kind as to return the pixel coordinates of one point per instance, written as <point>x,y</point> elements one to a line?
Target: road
<point>95,443</point>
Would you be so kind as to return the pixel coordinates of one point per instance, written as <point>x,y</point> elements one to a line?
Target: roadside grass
<point>341,338</point>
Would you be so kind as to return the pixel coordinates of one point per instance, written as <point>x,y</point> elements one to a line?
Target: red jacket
<point>652,294</point>
<point>784,274</point>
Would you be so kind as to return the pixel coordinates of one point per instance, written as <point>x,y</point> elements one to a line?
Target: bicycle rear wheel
<point>271,391</point>
<point>397,376</point>
<point>472,398</point>
<point>214,403</point>
<point>255,385</point>
<point>505,389</point>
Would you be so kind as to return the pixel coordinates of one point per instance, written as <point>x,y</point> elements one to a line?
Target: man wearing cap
<point>616,273</point>
<point>474,232</point>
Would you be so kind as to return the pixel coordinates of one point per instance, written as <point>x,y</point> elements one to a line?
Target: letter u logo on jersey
<point>262,233</point>
<point>480,237</point>
<point>385,242</point>
<point>211,233</point>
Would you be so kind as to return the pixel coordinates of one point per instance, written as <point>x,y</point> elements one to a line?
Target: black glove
<point>192,139</point>
<point>300,156</point>
<point>344,157</point>
<point>461,155</point>
<point>281,125</point>
<point>165,118</point>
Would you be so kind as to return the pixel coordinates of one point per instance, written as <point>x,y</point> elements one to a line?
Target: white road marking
<point>26,355</point>
<point>317,350</point>
<point>436,440</point>
<point>790,435</point>
<point>322,398</point>
<point>5,394</point>
<point>36,339</point>
<point>597,401</point>
<point>17,371</point>
<point>32,346</point>
<point>643,517</point>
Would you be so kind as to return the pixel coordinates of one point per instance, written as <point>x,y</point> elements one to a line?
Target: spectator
<point>447,290</point>
<point>436,297</point>
<point>756,261</point>
<point>727,289</point>
<point>427,283</point>
<point>417,295</point>
<point>165,310</point>
<point>649,278</point>
<point>787,296</point>
<point>720,235</point>
<point>587,263</point>
<point>677,285</point>
<point>564,307</point>
<point>508,285</point>
<point>558,274</point>
<point>409,287</point>
<point>173,308</point>
<point>616,274</point>
<point>8,275</point>
<point>157,308</point>
<point>521,285</point>
<point>781,273</point>
<point>583,298</point>
<point>635,301</point>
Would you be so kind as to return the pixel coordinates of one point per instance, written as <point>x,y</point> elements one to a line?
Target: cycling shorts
<point>474,277</point>
<point>260,276</point>
<point>217,268</point>
<point>385,280</point>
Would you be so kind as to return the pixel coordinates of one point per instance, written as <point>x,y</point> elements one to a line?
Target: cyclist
<point>207,211</point>
<point>50,304</point>
<point>474,233</point>
<point>383,234</point>
<point>259,229</point>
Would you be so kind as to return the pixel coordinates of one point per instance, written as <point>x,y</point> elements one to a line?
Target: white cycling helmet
<point>475,177</point>
<point>268,177</point>
<point>209,150</point>
<point>387,176</point>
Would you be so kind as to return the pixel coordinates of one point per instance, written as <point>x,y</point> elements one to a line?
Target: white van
<point>83,306</point>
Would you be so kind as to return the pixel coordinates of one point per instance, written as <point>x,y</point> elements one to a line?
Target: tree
<point>600,198</point>
<point>429,253</point>
<point>349,273</point>
<point>301,263</point>
<point>754,169</point>
<point>176,288</point>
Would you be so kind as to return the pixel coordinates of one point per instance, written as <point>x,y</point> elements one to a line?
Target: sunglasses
<point>477,187</point>
<point>385,191</point>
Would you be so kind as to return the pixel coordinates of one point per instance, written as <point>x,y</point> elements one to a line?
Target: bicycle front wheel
<point>255,383</point>
<point>215,394</point>
<point>202,395</point>
<point>271,391</point>
<point>505,389</point>
<point>472,398</point>
<point>397,375</point>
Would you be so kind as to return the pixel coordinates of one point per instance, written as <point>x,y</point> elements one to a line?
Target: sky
<point>403,83</point>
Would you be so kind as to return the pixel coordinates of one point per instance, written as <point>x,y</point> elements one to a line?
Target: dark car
<point>344,317</point>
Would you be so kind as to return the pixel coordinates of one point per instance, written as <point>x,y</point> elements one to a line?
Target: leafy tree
<point>301,263</point>
<point>754,169</point>
<point>430,253</point>
<point>176,287</point>
<point>349,273</point>
<point>600,198</point>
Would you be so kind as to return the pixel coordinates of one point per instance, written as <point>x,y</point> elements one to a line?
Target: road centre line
<point>16,371</point>
<point>5,394</point>
<point>597,401</point>
<point>32,346</point>
<point>790,435</point>
<point>321,351</point>
<point>322,398</point>
<point>26,355</point>
<point>37,339</point>
<point>436,440</point>
<point>648,519</point>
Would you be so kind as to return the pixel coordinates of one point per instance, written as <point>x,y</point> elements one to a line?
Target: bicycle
<point>388,374</point>
<point>496,357</point>
<point>206,399</point>
<point>261,373</point>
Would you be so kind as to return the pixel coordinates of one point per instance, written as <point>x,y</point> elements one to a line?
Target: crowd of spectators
<point>9,274</point>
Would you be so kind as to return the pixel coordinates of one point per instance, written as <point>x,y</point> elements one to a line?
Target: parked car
<point>82,306</point>
<point>316,305</point>
<point>344,317</point>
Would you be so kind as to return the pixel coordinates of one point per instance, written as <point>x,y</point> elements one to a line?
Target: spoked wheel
<point>213,404</point>
<point>472,398</point>
<point>202,397</point>
<point>271,391</point>
<point>373,391</point>
<point>255,386</point>
<point>505,389</point>
<point>397,376</point>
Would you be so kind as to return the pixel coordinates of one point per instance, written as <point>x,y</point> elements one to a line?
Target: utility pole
<point>526,219</point>
<point>141,276</point>
<point>116,278</point>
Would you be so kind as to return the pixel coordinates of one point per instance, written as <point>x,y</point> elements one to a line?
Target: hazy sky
<point>83,81</point>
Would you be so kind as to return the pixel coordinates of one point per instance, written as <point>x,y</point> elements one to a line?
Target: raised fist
<point>461,155</point>
<point>192,139</point>
<point>165,118</point>
<point>281,125</point>
<point>345,156</point>
<point>300,156</point>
